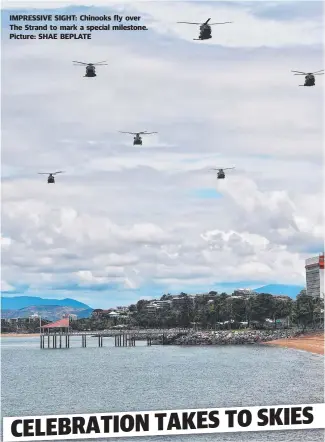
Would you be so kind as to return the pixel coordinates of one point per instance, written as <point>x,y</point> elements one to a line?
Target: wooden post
<point>60,340</point>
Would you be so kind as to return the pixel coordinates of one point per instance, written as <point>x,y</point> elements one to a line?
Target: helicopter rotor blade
<point>131,133</point>
<point>223,23</point>
<point>206,22</point>
<point>44,173</point>
<point>59,171</point>
<point>80,62</point>
<point>318,71</point>
<point>299,72</point>
<point>147,133</point>
<point>189,23</point>
<point>228,168</point>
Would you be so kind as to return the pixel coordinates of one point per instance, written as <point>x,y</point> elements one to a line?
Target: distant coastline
<point>312,342</point>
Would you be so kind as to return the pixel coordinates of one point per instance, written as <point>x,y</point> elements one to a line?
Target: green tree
<point>262,307</point>
<point>303,311</point>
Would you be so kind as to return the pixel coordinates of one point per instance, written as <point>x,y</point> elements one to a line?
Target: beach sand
<point>312,343</point>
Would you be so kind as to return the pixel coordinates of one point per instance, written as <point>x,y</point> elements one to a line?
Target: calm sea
<point>141,378</point>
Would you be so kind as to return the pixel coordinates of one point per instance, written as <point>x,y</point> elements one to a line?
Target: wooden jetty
<point>57,335</point>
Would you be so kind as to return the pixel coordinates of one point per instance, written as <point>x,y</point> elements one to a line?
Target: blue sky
<point>126,222</point>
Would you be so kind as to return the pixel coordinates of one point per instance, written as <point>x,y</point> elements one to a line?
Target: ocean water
<point>141,378</point>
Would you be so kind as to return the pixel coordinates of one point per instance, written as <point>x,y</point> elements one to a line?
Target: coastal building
<point>163,304</point>
<point>315,276</point>
<point>180,301</point>
<point>282,297</point>
<point>244,292</point>
<point>113,314</point>
<point>34,317</point>
<point>97,312</point>
<point>152,307</point>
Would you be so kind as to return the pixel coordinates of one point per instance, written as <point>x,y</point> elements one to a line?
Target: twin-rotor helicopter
<point>137,140</point>
<point>90,67</point>
<point>205,34</point>
<point>205,28</point>
<point>221,172</point>
<point>50,178</point>
<point>309,77</point>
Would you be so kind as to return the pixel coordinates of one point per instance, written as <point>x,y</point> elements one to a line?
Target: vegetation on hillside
<point>222,311</point>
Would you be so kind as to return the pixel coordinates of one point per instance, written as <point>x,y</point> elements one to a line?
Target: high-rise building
<point>315,276</point>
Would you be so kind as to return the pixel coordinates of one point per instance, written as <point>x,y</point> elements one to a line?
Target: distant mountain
<point>50,312</point>
<point>19,302</point>
<point>280,289</point>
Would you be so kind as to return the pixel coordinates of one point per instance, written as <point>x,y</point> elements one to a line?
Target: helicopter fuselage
<point>137,140</point>
<point>205,32</point>
<point>309,80</point>
<point>51,180</point>
<point>90,71</point>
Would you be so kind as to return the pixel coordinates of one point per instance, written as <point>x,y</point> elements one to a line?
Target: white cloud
<point>5,287</point>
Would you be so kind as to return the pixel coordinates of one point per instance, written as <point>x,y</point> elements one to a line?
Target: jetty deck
<point>57,335</point>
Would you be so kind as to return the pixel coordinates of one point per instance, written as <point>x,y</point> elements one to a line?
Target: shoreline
<point>313,343</point>
<point>310,342</point>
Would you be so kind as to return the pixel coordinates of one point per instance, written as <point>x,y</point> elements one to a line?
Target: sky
<point>127,222</point>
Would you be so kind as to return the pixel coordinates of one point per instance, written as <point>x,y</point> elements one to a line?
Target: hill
<point>280,289</point>
<point>50,312</point>
<point>19,302</point>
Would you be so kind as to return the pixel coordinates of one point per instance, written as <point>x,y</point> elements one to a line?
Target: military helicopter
<point>90,67</point>
<point>309,77</point>
<point>205,28</point>
<point>221,174</point>
<point>50,178</point>
<point>137,140</point>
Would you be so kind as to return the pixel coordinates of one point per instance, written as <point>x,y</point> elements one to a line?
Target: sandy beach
<point>312,343</point>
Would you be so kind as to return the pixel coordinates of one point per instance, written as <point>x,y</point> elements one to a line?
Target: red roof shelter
<point>59,326</point>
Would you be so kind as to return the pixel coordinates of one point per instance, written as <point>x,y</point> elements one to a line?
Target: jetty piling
<point>58,336</point>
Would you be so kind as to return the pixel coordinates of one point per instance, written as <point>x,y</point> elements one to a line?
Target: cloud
<point>126,222</point>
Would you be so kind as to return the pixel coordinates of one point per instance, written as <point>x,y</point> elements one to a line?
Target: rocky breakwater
<point>228,337</point>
